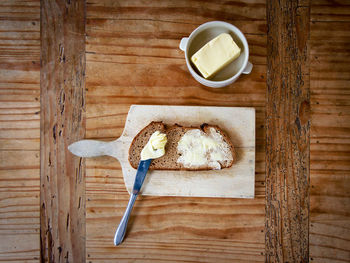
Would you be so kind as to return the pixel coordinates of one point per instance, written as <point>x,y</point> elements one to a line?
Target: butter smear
<point>199,149</point>
<point>155,146</point>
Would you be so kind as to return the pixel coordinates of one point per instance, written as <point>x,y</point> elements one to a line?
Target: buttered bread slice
<point>188,148</point>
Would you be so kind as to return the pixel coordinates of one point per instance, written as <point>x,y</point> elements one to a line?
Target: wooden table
<point>99,57</point>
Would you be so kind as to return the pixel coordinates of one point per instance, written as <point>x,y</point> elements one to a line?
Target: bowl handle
<point>248,68</point>
<point>183,43</point>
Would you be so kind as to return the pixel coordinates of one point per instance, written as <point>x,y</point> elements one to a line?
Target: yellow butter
<point>215,55</point>
<point>155,146</point>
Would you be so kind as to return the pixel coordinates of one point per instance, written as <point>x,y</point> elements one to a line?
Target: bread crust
<point>143,136</point>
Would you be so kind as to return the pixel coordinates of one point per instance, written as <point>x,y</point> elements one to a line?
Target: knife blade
<point>141,175</point>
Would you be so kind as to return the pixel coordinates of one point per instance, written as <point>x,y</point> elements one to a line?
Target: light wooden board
<point>236,181</point>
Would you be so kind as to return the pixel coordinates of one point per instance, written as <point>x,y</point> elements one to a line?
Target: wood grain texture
<point>330,132</point>
<point>19,131</point>
<point>142,37</point>
<point>133,58</point>
<point>287,133</point>
<point>330,11</point>
<point>62,215</point>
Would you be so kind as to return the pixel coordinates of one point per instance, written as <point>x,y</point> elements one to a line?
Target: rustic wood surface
<point>330,131</point>
<point>287,132</point>
<point>62,121</point>
<point>19,131</point>
<point>133,57</point>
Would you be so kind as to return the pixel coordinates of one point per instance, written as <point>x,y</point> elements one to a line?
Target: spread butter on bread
<point>188,148</point>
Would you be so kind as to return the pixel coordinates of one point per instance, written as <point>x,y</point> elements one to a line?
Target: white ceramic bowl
<point>202,35</point>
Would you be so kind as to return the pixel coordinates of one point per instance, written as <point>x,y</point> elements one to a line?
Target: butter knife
<point>140,177</point>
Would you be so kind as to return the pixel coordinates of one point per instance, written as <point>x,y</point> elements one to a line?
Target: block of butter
<point>215,55</point>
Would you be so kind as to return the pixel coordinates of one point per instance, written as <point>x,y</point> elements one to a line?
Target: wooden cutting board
<point>237,181</point>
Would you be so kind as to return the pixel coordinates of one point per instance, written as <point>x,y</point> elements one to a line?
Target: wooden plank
<point>19,131</point>
<point>287,132</point>
<point>133,57</point>
<point>182,14</point>
<point>62,217</point>
<point>328,10</point>
<point>329,136</point>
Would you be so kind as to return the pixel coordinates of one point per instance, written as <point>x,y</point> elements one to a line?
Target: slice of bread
<point>174,133</point>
